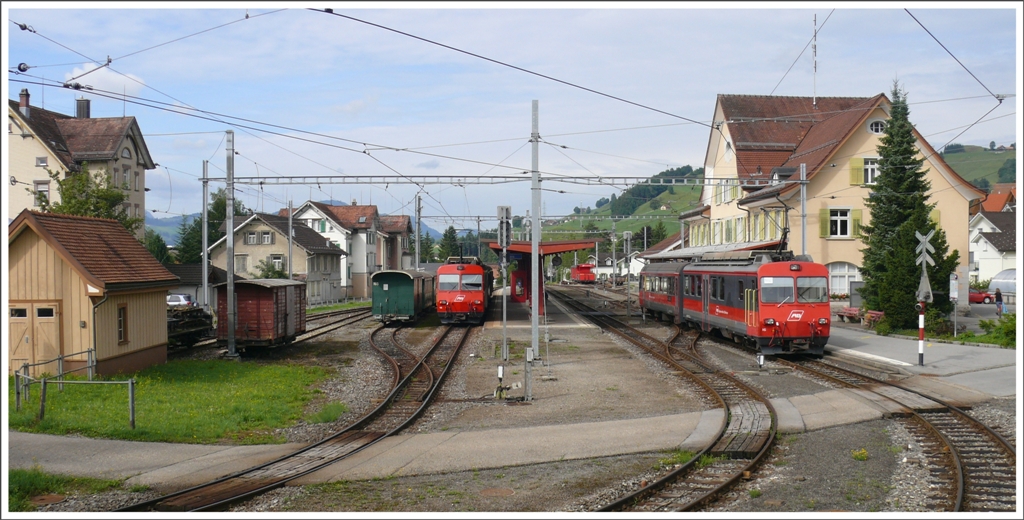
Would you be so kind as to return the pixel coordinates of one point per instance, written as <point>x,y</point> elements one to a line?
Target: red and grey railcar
<point>463,292</point>
<point>774,301</point>
<point>582,273</point>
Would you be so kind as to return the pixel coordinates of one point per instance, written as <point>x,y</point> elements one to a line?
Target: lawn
<point>184,401</point>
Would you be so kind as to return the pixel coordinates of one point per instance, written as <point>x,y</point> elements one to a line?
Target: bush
<point>883,328</point>
<point>1002,332</point>
<point>981,285</point>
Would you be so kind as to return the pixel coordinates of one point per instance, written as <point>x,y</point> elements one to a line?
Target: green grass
<point>329,413</point>
<point>676,457</point>
<point>27,483</point>
<point>180,401</point>
<point>338,307</point>
<point>976,163</point>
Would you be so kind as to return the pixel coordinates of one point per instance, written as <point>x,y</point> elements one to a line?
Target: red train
<point>463,291</point>
<point>774,301</point>
<point>582,273</point>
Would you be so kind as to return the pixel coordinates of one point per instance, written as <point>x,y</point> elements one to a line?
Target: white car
<point>180,300</point>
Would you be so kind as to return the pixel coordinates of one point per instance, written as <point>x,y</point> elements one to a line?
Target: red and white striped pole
<point>920,333</point>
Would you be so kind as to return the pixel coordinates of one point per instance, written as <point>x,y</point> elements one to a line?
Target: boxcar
<point>401,295</point>
<point>269,312</point>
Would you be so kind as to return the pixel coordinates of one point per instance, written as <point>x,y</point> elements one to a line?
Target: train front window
<point>776,289</point>
<point>472,282</point>
<point>447,282</point>
<point>812,289</point>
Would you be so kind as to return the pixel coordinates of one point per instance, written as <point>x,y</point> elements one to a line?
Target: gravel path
<point>587,375</point>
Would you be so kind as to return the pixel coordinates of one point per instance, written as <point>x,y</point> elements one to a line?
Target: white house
<point>993,243</point>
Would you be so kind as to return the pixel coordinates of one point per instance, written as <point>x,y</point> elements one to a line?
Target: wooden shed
<point>79,284</point>
<point>268,312</point>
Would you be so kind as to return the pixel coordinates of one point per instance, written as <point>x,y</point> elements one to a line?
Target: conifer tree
<point>449,245</point>
<point>898,206</point>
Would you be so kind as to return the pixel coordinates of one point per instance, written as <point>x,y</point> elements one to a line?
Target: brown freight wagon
<point>269,312</point>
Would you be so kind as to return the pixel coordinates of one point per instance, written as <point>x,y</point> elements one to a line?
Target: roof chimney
<point>354,203</point>
<point>82,108</point>
<point>23,104</point>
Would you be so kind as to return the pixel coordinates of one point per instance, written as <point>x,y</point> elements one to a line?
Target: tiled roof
<point>349,216</point>
<point>999,199</point>
<point>1003,220</point>
<point>395,223</point>
<point>44,124</point>
<point>192,274</point>
<point>94,139</point>
<point>305,236</point>
<point>102,248</point>
<point>1002,241</point>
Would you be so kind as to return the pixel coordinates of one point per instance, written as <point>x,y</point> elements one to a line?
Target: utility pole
<point>803,208</point>
<point>230,210</point>
<point>291,233</point>
<point>206,238</point>
<point>419,209</point>
<point>479,252</point>
<point>627,235</point>
<point>615,267</point>
<point>535,250</point>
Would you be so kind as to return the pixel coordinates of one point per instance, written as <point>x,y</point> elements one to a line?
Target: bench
<point>873,317</point>
<point>850,314</point>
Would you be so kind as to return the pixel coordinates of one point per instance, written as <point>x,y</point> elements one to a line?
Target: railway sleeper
<point>213,494</point>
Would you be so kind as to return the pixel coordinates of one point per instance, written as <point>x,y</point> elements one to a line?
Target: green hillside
<point>976,163</point>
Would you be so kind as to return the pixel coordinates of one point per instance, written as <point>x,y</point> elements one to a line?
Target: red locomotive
<point>775,301</point>
<point>463,291</point>
<point>582,273</point>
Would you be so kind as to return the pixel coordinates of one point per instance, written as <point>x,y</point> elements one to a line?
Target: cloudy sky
<point>414,91</point>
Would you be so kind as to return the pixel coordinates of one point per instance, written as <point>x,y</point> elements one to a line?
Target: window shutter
<point>857,171</point>
<point>273,237</point>
<point>855,217</point>
<point>284,264</point>
<point>823,222</point>
<point>935,216</point>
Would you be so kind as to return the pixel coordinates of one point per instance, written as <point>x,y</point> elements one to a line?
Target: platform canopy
<point>547,248</point>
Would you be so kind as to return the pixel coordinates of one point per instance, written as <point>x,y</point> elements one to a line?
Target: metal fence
<point>23,383</point>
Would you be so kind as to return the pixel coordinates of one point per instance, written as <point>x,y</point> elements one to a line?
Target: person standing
<point>999,303</point>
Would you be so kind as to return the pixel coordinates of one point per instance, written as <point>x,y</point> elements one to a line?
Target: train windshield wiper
<point>783,301</point>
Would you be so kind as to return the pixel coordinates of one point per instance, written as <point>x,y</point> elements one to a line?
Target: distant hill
<point>976,162</point>
<point>168,227</point>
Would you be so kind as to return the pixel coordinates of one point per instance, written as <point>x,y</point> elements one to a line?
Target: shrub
<point>1003,331</point>
<point>883,328</point>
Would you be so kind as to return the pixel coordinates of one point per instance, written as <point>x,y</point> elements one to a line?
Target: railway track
<point>744,441</point>
<point>972,467</point>
<point>406,402</point>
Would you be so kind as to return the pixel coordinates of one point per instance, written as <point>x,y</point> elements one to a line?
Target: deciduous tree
<point>88,194</point>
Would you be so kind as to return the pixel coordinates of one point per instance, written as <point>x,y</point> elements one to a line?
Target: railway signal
<point>924,289</point>
<point>504,240</point>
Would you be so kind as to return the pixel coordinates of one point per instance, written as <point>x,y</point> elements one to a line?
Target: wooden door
<point>19,337</point>
<point>290,312</point>
<point>46,343</point>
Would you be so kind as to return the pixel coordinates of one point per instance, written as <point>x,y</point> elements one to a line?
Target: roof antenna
<point>814,51</point>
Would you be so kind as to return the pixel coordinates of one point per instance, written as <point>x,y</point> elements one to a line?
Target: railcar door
<point>289,298</point>
<point>705,295</point>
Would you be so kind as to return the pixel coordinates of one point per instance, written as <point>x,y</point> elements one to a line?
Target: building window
<point>267,237</point>
<point>122,323</point>
<point>250,238</point>
<point>125,173</point>
<point>42,189</point>
<point>840,276</point>
<point>371,238</point>
<point>41,161</point>
<point>876,127</point>
<point>839,223</point>
<point>870,171</point>
<point>278,262</point>
<point>138,212</point>
<point>241,263</point>
<point>136,181</point>
<point>127,154</point>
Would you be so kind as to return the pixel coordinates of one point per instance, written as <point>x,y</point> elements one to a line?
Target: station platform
<point>519,314</point>
<point>961,374</point>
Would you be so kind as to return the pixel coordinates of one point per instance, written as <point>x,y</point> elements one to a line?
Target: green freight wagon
<point>401,295</point>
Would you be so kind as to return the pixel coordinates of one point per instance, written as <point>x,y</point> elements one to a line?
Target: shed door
<point>35,336</point>
<point>289,298</point>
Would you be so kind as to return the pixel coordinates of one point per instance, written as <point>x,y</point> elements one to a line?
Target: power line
<point>951,55</point>
<point>331,11</point>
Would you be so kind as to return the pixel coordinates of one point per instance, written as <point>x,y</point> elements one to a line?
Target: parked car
<point>180,300</point>
<point>979,296</point>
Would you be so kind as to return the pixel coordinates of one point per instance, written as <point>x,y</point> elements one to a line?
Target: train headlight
<point>769,322</point>
<point>822,321</point>
<point>443,302</point>
<point>476,302</point>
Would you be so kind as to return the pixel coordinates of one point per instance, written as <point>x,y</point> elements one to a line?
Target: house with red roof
<point>374,242</point>
<point>758,141</point>
<point>86,289</point>
<point>41,140</point>
<point>1003,197</point>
